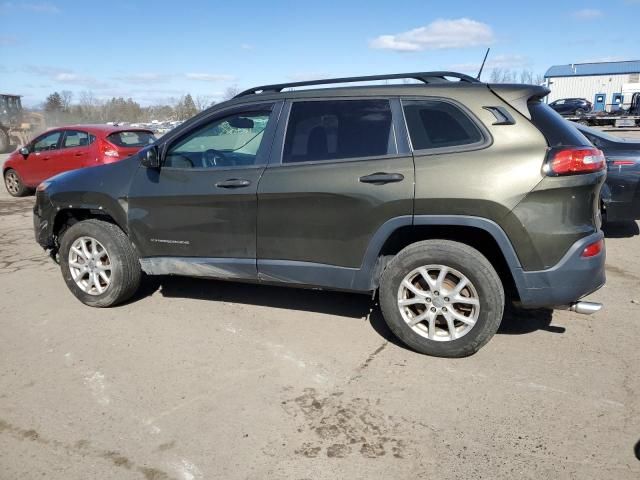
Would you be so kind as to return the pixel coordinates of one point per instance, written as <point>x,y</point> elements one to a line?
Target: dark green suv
<point>446,195</point>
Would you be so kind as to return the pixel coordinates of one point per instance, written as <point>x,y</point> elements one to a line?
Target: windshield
<point>133,138</point>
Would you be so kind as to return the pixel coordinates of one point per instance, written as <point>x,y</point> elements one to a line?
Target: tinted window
<point>47,142</point>
<point>225,142</point>
<point>558,131</point>
<point>74,138</point>
<point>332,130</point>
<point>131,139</point>
<point>438,124</point>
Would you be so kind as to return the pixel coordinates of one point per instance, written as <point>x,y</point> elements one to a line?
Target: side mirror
<point>24,151</point>
<point>151,158</point>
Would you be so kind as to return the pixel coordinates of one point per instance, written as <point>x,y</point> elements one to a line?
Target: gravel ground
<point>198,379</point>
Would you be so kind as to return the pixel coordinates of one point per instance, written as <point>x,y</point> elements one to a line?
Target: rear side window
<point>439,124</point>
<point>558,131</point>
<point>75,138</point>
<point>339,129</point>
<point>133,138</point>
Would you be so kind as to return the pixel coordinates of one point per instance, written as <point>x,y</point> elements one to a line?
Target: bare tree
<point>526,76</point>
<point>231,92</point>
<point>203,102</point>
<point>66,96</point>
<point>496,75</point>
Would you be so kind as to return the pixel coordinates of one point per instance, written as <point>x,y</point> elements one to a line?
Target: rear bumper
<point>572,278</point>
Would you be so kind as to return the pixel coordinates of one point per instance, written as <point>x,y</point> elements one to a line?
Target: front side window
<point>75,138</point>
<point>227,142</point>
<point>47,142</point>
<point>439,124</point>
<point>339,129</point>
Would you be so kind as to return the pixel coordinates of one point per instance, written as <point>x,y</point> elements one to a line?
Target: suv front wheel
<point>442,298</point>
<point>98,263</point>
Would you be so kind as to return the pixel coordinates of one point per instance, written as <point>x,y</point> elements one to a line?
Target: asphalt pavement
<point>201,379</point>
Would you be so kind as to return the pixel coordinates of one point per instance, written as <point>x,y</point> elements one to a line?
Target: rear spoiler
<point>518,95</point>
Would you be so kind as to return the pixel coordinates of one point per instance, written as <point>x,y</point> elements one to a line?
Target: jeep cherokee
<point>446,196</point>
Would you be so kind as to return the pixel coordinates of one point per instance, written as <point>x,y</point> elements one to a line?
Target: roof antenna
<point>483,62</point>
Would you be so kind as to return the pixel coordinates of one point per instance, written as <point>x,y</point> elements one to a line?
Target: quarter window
<point>438,124</point>
<point>226,142</point>
<point>47,142</point>
<point>333,130</point>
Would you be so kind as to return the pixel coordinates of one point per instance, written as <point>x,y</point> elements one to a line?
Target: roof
<point>101,128</point>
<point>589,69</point>
<point>438,77</point>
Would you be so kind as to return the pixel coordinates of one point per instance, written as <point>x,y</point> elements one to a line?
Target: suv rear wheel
<point>98,263</point>
<point>442,298</point>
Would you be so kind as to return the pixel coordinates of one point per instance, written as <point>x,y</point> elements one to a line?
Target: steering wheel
<point>215,158</point>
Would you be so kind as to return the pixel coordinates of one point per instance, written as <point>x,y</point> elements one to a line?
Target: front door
<point>202,202</point>
<point>44,153</point>
<point>339,172</point>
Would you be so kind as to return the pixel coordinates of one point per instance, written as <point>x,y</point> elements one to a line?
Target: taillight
<point>593,249</point>
<point>575,160</point>
<point>109,150</point>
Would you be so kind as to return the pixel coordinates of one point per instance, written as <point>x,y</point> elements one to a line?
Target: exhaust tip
<point>585,308</point>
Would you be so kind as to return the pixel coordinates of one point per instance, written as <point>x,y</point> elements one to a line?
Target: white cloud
<point>246,46</point>
<point>145,78</point>
<point>65,76</point>
<point>38,7</point>
<point>209,77</point>
<point>440,34</point>
<point>6,40</point>
<point>587,13</point>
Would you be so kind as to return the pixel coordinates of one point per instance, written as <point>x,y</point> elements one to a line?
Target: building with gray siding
<point>607,85</point>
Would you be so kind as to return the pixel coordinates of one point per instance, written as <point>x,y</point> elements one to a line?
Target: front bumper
<point>572,278</point>
<point>43,221</point>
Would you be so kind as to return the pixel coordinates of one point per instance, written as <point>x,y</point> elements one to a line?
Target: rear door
<point>202,202</point>
<point>339,171</point>
<point>74,151</point>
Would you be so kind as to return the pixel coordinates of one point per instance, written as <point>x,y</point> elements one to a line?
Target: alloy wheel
<point>12,182</point>
<point>90,265</point>
<point>438,302</point>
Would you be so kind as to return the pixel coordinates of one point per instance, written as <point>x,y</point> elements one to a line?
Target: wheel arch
<point>66,217</point>
<point>482,234</point>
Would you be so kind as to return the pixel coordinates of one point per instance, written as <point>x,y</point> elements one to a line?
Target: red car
<point>69,148</point>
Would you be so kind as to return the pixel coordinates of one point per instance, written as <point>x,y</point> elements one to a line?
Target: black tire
<point>13,183</point>
<point>580,112</point>
<point>5,143</point>
<point>466,260</point>
<point>124,262</point>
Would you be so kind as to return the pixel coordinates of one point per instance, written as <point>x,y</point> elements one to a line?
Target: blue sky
<point>154,50</point>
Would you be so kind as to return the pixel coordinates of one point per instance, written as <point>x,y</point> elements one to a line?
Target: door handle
<point>380,178</point>
<point>233,183</point>
<point>79,154</point>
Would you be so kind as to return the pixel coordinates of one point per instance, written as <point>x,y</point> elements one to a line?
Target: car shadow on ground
<point>621,229</point>
<point>351,305</point>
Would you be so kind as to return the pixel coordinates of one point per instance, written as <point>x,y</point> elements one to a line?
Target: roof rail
<point>425,77</point>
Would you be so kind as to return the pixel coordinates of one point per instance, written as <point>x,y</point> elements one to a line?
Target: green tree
<point>189,106</point>
<point>54,103</point>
